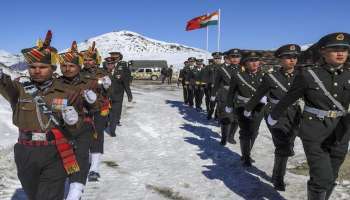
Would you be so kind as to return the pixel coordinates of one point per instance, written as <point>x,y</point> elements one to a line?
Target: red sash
<point>65,150</point>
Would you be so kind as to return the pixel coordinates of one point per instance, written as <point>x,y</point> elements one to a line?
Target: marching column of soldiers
<point>309,101</point>
<point>62,120</point>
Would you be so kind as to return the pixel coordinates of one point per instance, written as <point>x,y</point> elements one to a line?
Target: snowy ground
<point>165,150</point>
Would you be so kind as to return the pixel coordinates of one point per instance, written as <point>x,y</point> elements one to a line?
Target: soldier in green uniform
<point>223,76</point>
<point>46,118</point>
<point>324,127</point>
<point>189,80</point>
<point>242,87</point>
<point>275,85</point>
<point>91,70</point>
<point>70,64</point>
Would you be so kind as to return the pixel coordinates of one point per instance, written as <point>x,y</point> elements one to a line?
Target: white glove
<point>70,115</point>
<point>212,98</point>
<point>228,109</point>
<point>90,96</point>
<point>263,100</point>
<point>106,82</point>
<point>247,114</point>
<point>271,121</point>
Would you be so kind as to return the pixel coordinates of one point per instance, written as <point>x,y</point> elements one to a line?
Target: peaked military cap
<point>199,60</point>
<point>251,56</point>
<point>191,59</point>
<point>109,60</point>
<point>216,54</point>
<point>116,54</point>
<point>42,52</point>
<point>288,49</point>
<point>339,39</point>
<point>233,52</point>
<point>71,56</point>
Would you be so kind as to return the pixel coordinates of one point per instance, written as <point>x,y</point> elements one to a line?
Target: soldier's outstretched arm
<point>216,84</point>
<point>261,91</point>
<point>9,89</point>
<point>231,92</point>
<point>297,91</point>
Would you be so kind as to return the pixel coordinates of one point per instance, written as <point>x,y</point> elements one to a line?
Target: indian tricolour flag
<point>203,21</point>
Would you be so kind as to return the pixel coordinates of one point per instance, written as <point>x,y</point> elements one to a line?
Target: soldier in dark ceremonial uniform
<point>242,88</point>
<point>199,83</point>
<point>183,83</point>
<point>275,85</point>
<point>223,76</point>
<point>324,127</point>
<point>209,78</point>
<point>118,56</point>
<point>190,80</point>
<point>91,70</point>
<point>46,117</point>
<point>120,83</point>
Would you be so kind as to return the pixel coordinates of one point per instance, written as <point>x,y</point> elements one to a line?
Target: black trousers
<point>199,93</point>
<point>190,94</point>
<point>285,131</point>
<point>83,144</point>
<point>325,144</point>
<point>40,171</point>
<point>115,113</point>
<point>249,127</point>
<point>185,93</point>
<point>207,94</point>
<point>100,123</point>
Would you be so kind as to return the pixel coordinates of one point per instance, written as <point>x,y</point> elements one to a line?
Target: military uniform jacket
<point>25,112</point>
<point>181,77</point>
<point>270,88</point>
<point>188,76</point>
<point>120,83</point>
<point>222,79</point>
<point>337,82</point>
<point>198,73</point>
<point>239,92</point>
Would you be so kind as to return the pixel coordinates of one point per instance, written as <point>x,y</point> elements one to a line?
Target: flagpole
<point>207,35</point>
<point>219,33</point>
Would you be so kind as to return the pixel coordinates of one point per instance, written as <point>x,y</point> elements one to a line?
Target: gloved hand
<point>129,99</point>
<point>228,109</point>
<point>247,114</point>
<point>106,82</point>
<point>212,98</point>
<point>271,121</point>
<point>263,100</point>
<point>90,96</point>
<point>70,115</point>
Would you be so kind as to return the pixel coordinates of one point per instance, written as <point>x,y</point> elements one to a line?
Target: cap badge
<point>340,37</point>
<point>292,48</point>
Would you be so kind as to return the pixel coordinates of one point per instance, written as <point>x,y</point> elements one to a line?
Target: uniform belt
<point>36,138</point>
<point>244,99</point>
<point>324,113</point>
<point>274,101</point>
<point>226,87</point>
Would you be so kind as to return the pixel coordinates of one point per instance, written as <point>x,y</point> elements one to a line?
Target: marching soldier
<point>199,83</point>
<point>275,85</point>
<point>189,80</point>
<point>70,64</point>
<point>183,82</point>
<point>324,128</point>
<point>120,83</point>
<point>223,76</point>
<point>119,56</point>
<point>46,119</point>
<point>91,70</point>
<point>242,87</point>
<point>209,79</point>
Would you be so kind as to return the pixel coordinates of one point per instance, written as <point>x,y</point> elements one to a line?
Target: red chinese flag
<point>195,23</point>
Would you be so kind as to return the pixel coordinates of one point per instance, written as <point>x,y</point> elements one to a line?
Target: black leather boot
<point>279,170</point>
<point>245,149</point>
<point>224,133</point>
<point>313,195</point>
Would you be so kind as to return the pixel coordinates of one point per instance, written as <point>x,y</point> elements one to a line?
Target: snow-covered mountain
<point>138,47</point>
<point>9,59</point>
